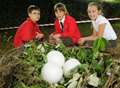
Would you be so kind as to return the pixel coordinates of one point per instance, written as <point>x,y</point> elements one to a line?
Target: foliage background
<point>13,12</point>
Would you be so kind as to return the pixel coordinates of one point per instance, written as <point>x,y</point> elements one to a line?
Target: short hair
<point>32,7</point>
<point>61,7</point>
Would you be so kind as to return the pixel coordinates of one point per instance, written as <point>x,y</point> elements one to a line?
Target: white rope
<point>51,24</point>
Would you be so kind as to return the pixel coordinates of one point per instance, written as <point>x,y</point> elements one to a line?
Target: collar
<point>97,17</point>
<point>62,20</point>
<point>29,19</point>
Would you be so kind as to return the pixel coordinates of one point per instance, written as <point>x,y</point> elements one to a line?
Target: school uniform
<point>68,28</point>
<point>26,32</point>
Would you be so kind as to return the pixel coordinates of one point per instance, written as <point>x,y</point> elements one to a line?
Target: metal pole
<point>51,24</point>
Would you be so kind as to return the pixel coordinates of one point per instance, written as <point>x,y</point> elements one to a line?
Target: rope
<point>51,24</point>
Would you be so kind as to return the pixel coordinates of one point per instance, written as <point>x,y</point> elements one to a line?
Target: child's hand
<point>81,41</point>
<point>57,36</point>
<point>39,35</point>
<point>51,35</point>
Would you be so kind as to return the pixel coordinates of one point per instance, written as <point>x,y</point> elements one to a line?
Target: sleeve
<point>71,28</point>
<point>38,30</point>
<point>101,20</point>
<point>57,28</point>
<point>26,33</point>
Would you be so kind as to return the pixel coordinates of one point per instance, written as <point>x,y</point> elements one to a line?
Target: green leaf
<point>99,44</point>
<point>83,68</point>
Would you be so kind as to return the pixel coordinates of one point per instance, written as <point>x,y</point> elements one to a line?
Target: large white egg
<point>51,73</point>
<point>56,57</point>
<point>69,66</point>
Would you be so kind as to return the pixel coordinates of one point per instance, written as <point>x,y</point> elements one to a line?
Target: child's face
<point>35,15</point>
<point>60,14</point>
<point>93,12</point>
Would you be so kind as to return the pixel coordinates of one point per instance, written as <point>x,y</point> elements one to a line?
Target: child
<point>65,27</point>
<point>101,26</point>
<point>29,29</point>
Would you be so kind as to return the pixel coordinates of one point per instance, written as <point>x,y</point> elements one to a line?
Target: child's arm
<point>57,28</point>
<point>82,40</point>
<point>91,37</point>
<point>101,30</point>
<point>26,33</point>
<point>96,34</point>
<point>39,35</point>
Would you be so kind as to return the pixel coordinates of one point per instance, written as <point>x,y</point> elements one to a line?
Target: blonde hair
<point>61,7</point>
<point>98,5</point>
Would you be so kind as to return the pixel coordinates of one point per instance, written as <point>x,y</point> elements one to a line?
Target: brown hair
<point>98,5</point>
<point>32,7</point>
<point>61,7</point>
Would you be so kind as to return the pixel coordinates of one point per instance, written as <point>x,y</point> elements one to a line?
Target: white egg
<point>69,66</point>
<point>56,57</point>
<point>51,73</point>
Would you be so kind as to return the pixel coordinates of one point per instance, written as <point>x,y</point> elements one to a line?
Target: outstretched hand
<point>39,35</point>
<point>81,41</point>
<point>57,35</point>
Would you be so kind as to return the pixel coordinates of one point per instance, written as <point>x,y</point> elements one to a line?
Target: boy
<point>29,29</point>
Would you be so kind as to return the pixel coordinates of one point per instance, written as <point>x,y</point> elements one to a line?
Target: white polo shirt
<point>109,33</point>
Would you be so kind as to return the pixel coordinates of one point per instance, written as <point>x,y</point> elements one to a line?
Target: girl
<point>65,27</point>
<point>101,26</point>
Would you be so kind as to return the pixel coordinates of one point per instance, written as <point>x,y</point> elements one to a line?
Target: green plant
<point>28,74</point>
